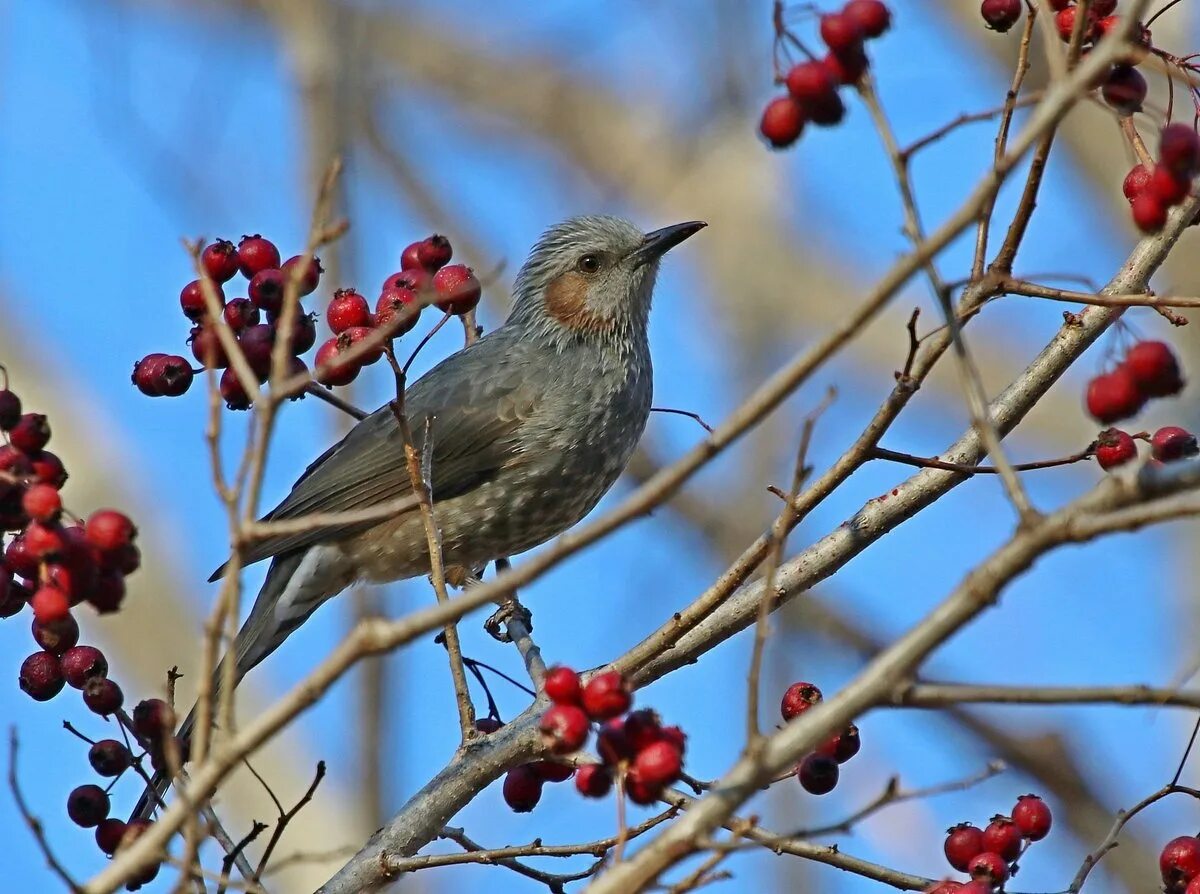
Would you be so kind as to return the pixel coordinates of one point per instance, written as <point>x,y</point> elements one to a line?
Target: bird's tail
<point>258,637</point>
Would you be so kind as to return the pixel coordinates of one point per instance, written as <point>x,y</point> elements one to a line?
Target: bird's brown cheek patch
<point>566,302</point>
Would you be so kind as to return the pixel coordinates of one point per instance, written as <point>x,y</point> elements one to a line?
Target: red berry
<point>57,636</point>
<point>418,280</point>
<point>109,834</point>
<point>347,309</point>
<point>782,122</point>
<point>330,370</point>
<point>233,393</point>
<point>207,347</point>
<point>659,763</point>
<point>103,696</point>
<point>162,375</point>
<point>989,867</point>
<point>1002,837</point>
<point>267,290</point>
<point>304,332</point>
<point>30,434</point>
<point>397,310</point>
<point>846,68</point>
<point>947,886</point>
<point>1168,188</point>
<point>1114,448</point>
<point>44,542</point>
<point>593,780</point>
<point>638,790</point>
<point>642,729</point>
<point>83,663</point>
<point>1064,22</point>
<point>1149,212</point>
<point>351,338</point>
<point>191,299</point>
<point>1113,396</point>
<point>434,252</point>
<point>152,719</point>
<point>458,290</point>
<point>108,530</point>
<point>963,844</point>
<point>549,771</point>
<point>676,737</point>
<point>818,774</point>
<point>607,695</point>
<point>220,260</point>
<point>50,605</point>
<point>841,32</point>
<point>562,686</point>
<point>1032,816</point>
<point>108,592</point>
<point>842,746</point>
<point>19,560</point>
<point>1124,89</point>
<point>41,676</point>
<point>146,373</point>
<point>1179,150</point>
<point>564,728</point>
<point>522,789</point>
<point>48,469</point>
<point>1172,442</point>
<point>109,757</point>
<point>810,83</point>
<point>10,409</point>
<point>88,806</point>
<point>1154,368</point>
<point>798,698</point>
<point>1193,886</point>
<point>612,744</point>
<point>42,503</point>
<point>410,258</point>
<point>309,276</point>
<point>256,253</point>
<point>257,342</point>
<point>241,313</point>
<point>1000,15</point>
<point>1179,861</point>
<point>1135,181</point>
<point>871,16</point>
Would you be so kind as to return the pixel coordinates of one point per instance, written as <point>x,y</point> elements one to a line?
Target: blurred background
<point>126,125</point>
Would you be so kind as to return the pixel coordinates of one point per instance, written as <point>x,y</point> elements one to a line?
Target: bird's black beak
<point>659,242</point>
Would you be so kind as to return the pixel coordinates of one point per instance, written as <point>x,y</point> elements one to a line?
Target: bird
<point>530,426</point>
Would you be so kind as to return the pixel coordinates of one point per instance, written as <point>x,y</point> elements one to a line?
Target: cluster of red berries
<point>635,748</point>
<point>1001,15</point>
<point>1152,193</point>
<point>1179,863</point>
<point>990,855</point>
<point>425,277</point>
<point>819,771</point>
<point>813,85</point>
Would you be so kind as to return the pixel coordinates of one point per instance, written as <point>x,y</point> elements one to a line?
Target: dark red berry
<point>256,253</point>
<point>564,728</point>
<point>1169,189</point>
<point>846,68</point>
<point>108,529</point>
<point>1124,89</point>
<point>522,789</point>
<point>153,718</point>
<point>19,560</point>
<point>872,17</point>
<point>109,757</point>
<point>397,310</point>
<point>107,593</point>
<point>56,636</point>
<point>50,605</point>
<point>410,258</point>
<point>1114,396</point>
<point>88,806</point>
<point>207,347</point>
<point>192,300</point>
<point>842,746</point>
<point>241,313</point>
<point>30,434</point>
<point>1000,15</point>
<point>1179,150</point>
<point>109,834</point>
<point>963,844</point>
<point>1154,368</point>
<point>612,744</point>
<point>818,774</point>
<point>643,729</point>
<point>309,277</point>
<point>1172,442</point>
<point>220,260</point>
<point>841,32</point>
<point>798,698</point>
<point>1114,448</point>
<point>607,695</point>
<point>782,122</point>
<point>232,392</point>
<point>83,663</point>
<point>145,374</point>
<point>42,503</point>
<point>347,309</point>
<point>41,676</point>
<point>257,342</point>
<point>1002,837</point>
<point>1102,8</point>
<point>1149,212</point>
<point>488,725</point>
<point>1032,816</point>
<point>549,771</point>
<point>593,780</point>
<point>330,369</point>
<point>103,696</point>
<point>562,686</point>
<point>267,290</point>
<point>433,253</point>
<point>458,290</point>
<point>13,596</point>
<point>989,867</point>
<point>660,763</point>
<point>10,409</point>
<point>162,375</point>
<point>304,332</point>
<point>1135,181</point>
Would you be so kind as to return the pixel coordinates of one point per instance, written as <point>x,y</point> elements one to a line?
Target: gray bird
<point>531,425</point>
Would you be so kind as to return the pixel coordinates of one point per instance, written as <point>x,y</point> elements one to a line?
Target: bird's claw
<point>510,609</point>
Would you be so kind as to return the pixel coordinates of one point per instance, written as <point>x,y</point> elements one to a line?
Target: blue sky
<point>122,130</point>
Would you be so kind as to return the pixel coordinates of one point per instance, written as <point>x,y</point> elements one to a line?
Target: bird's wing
<point>473,403</point>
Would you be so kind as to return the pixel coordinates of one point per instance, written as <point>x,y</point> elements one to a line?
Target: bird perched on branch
<point>530,426</point>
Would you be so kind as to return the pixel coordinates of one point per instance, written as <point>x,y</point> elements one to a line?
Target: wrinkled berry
<point>41,676</point>
<point>798,698</point>
<point>83,663</point>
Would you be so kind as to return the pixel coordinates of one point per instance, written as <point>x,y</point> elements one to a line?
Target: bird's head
<point>592,277</point>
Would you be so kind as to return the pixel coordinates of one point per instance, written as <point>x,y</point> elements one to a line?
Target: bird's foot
<point>509,610</point>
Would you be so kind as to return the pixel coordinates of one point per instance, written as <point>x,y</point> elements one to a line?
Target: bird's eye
<point>589,263</point>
